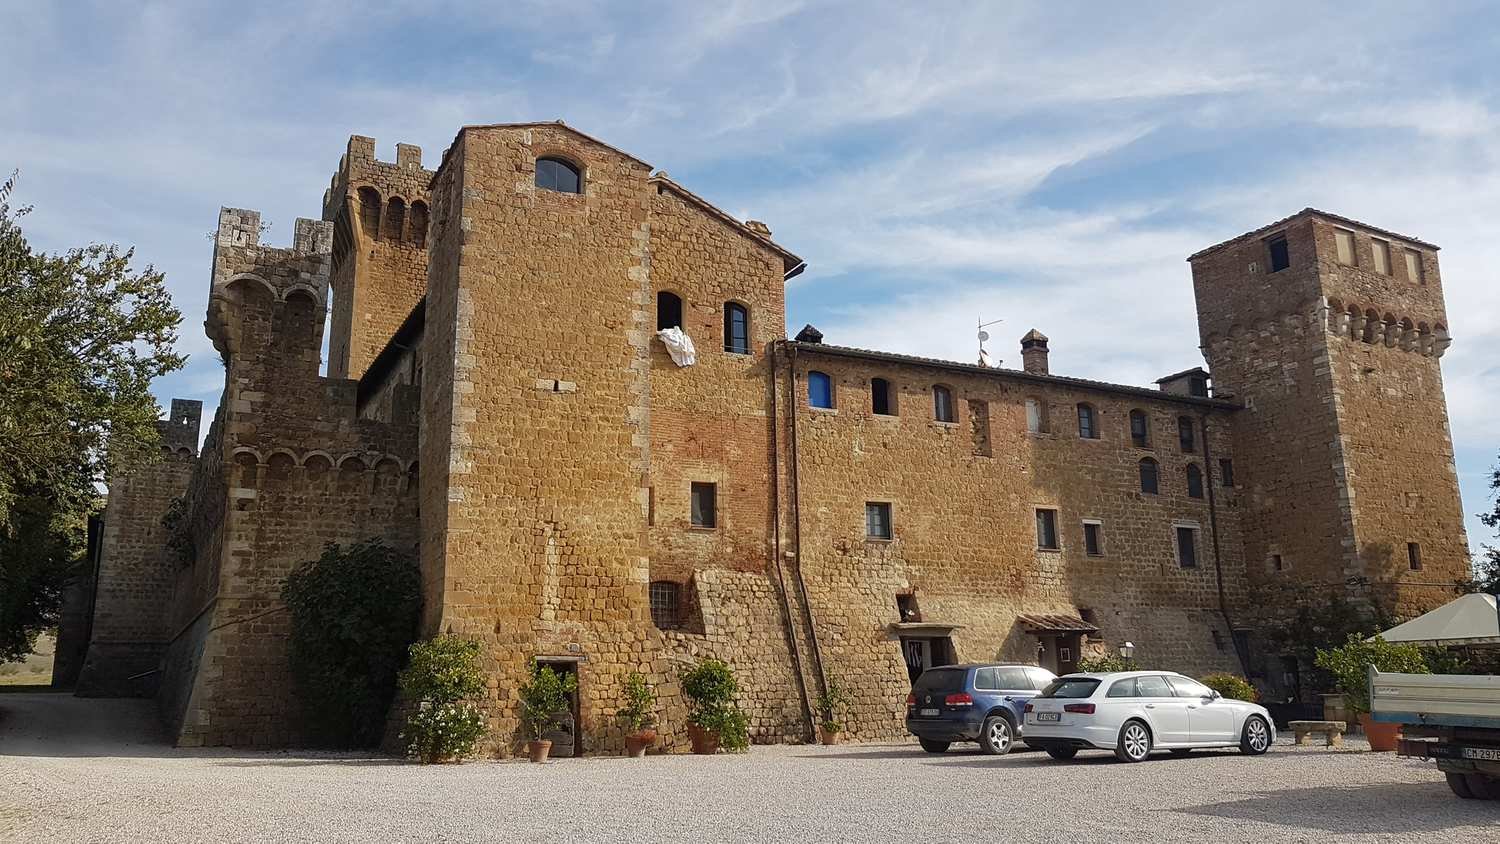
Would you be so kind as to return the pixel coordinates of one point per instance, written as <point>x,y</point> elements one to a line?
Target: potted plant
<point>1350,664</point>
<point>638,715</point>
<point>441,677</point>
<point>544,699</point>
<point>830,701</point>
<point>714,721</point>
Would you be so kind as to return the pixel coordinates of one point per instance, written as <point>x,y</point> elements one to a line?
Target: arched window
<point>1149,481</point>
<point>882,399</point>
<point>819,390</point>
<point>369,212</point>
<point>1088,425</point>
<point>668,310</point>
<point>736,328</point>
<point>558,175</point>
<point>1194,481</point>
<point>418,224</point>
<point>1140,430</point>
<point>1185,436</point>
<point>942,404</point>
<point>1036,416</point>
<point>665,603</point>
<point>394,221</point>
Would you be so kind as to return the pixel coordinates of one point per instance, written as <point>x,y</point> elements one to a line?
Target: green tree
<point>354,613</point>
<point>1487,567</point>
<point>82,335</point>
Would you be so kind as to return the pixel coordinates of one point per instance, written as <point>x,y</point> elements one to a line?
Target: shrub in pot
<point>638,715</point>
<point>441,677</point>
<point>830,702</point>
<point>544,700</point>
<point>1350,664</point>
<point>714,721</point>
<point>1232,686</point>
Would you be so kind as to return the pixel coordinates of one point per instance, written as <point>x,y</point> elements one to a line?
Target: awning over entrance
<point>1049,625</point>
<point>1468,620</point>
<point>922,628</point>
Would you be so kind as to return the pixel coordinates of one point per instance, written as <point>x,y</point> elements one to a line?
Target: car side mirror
<point>1213,694</point>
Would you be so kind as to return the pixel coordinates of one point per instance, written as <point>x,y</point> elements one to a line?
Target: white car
<point>1135,712</point>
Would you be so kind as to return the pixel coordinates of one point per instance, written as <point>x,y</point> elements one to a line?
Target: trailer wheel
<point>1483,787</point>
<point>1460,786</point>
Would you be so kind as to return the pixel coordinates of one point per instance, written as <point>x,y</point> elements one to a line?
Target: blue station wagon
<point>974,702</point>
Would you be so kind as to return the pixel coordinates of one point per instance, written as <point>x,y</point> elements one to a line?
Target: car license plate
<point>1481,753</point>
<point>929,713</point>
<point>1048,716</point>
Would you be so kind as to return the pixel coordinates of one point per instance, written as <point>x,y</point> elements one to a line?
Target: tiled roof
<point>1013,374</point>
<point>1316,213</point>
<point>1044,623</point>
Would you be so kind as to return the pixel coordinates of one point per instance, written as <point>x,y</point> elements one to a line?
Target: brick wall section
<point>136,568</point>
<point>380,211</point>
<point>1341,469</point>
<point>965,541</point>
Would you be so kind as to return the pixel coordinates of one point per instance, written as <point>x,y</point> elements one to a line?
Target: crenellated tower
<point>1329,332</point>
<point>379,212</point>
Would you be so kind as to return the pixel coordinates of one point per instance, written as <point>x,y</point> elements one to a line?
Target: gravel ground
<point>96,770</point>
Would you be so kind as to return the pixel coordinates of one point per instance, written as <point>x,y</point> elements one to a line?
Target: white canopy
<point>1468,620</point>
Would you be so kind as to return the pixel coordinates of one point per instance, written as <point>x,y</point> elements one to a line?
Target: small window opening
<point>906,608</point>
<point>1187,547</point>
<point>878,520</point>
<point>1281,257</point>
<point>1381,251</point>
<point>942,404</point>
<point>1414,556</point>
<point>668,310</point>
<point>736,328</point>
<point>1185,434</point>
<point>819,390</point>
<point>554,174</point>
<point>1194,481</point>
<point>665,600</point>
<point>1414,267</point>
<point>705,505</point>
<point>1218,639</point>
<point>1088,426</point>
<point>1140,431</point>
<point>1046,530</point>
<point>1278,563</point>
<point>1343,240</point>
<point>1036,416</point>
<point>880,398</point>
<point>1149,476</point>
<point>1226,472</point>
<point>1093,543</point>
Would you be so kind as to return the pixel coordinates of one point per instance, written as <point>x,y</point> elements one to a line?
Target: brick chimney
<point>1034,352</point>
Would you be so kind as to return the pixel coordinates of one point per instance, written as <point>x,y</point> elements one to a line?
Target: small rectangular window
<point>877,520</point>
<point>1414,267</point>
<point>880,397</point>
<point>1046,530</point>
<point>1187,547</point>
<point>1414,556</point>
<point>1281,257</point>
<point>705,505</point>
<point>1381,251</point>
<point>1226,472</point>
<point>1198,387</point>
<point>1093,545</point>
<point>1277,563</point>
<point>1185,436</point>
<point>1344,240</point>
<point>1036,417</point>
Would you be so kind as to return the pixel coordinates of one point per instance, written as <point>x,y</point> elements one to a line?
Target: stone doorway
<point>566,740</point>
<point>1059,640</point>
<point>923,652</point>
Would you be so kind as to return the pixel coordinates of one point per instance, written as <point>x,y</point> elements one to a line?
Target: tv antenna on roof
<point>984,357</point>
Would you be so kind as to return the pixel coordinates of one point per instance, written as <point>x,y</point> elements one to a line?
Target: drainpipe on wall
<point>774,354</point>
<point>812,628</point>
<point>1213,526</point>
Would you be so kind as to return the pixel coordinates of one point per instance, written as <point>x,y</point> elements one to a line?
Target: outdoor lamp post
<point>1127,650</point>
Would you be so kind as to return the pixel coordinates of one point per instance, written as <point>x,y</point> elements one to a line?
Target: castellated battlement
<point>405,177</point>
<point>179,431</point>
<point>248,277</point>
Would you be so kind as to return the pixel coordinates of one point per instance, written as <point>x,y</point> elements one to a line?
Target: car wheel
<point>1135,742</point>
<point>1460,786</point>
<point>997,737</point>
<point>1255,739</point>
<point>1062,753</point>
<point>934,746</point>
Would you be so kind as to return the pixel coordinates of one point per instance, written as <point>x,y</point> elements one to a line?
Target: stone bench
<point>1333,731</point>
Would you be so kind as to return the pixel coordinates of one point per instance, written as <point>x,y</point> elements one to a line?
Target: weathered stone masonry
<point>517,422</point>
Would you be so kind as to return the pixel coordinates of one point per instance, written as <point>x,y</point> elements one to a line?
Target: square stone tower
<point>1329,332</point>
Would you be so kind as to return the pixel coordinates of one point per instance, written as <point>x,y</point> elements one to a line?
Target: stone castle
<point>563,381</point>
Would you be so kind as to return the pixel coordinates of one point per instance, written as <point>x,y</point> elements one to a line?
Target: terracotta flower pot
<point>705,742</point>
<point>539,749</point>
<point>637,742</point>
<point>828,736</point>
<point>1382,736</point>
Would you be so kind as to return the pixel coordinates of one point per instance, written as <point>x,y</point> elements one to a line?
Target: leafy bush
<point>639,711</point>
<point>1349,664</point>
<point>830,701</point>
<point>353,610</point>
<point>711,687</point>
<point>1106,664</point>
<point>1232,686</point>
<point>440,674</point>
<point>544,698</point>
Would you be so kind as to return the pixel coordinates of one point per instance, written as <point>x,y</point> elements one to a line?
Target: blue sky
<point>1043,164</point>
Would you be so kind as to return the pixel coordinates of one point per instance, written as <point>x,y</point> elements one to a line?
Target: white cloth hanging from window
<point>679,346</point>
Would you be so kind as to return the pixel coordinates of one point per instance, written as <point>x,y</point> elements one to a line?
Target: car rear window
<point>941,680</point>
<point>1071,687</point>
